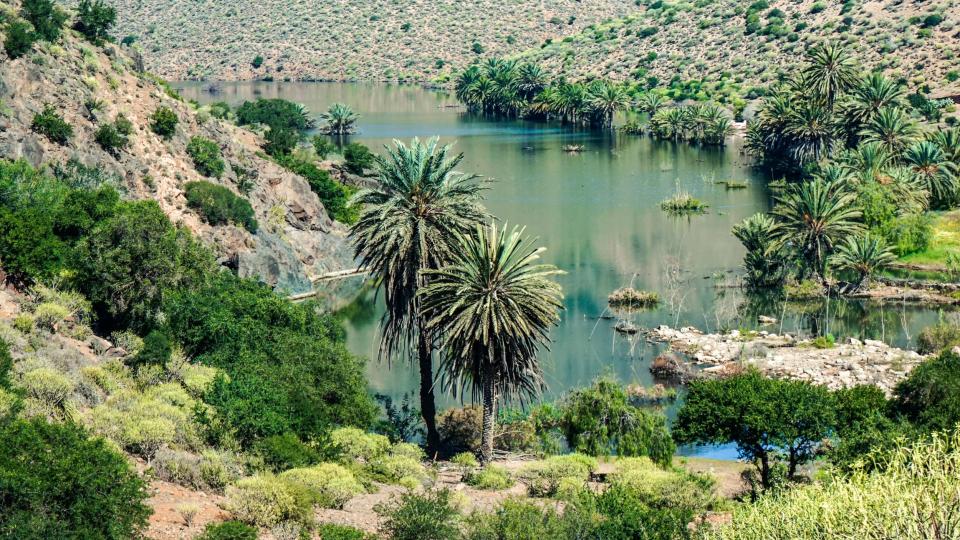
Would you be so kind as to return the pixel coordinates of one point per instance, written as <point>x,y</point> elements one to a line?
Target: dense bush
<point>517,519</point>
<point>206,156</point>
<point>357,157</point>
<point>228,530</point>
<point>329,485</point>
<point>930,395</point>
<point>333,195</point>
<point>489,477</point>
<point>164,122</point>
<point>666,488</point>
<point>114,137</point>
<point>287,369</point>
<point>94,20</point>
<point>557,475</point>
<point>277,113</point>
<point>939,337</point>
<point>599,421</point>
<point>282,452</point>
<point>156,350</point>
<point>56,482</point>
<point>266,501</point>
<point>19,39</point>
<point>353,445</point>
<point>51,125</point>
<point>330,531</point>
<point>430,515</point>
<point>218,205</point>
<point>280,142</point>
<point>47,19</point>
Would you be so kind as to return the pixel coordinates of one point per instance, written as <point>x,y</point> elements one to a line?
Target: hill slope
<point>296,239</point>
<point>345,40</point>
<point>708,38</point>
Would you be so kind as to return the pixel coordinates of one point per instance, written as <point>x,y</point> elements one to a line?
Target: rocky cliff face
<point>296,238</point>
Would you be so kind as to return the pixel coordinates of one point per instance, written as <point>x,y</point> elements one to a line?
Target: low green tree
<point>47,19</point>
<point>19,39</point>
<point>94,20</point>
<point>164,122</point>
<point>206,156</point>
<point>930,396</point>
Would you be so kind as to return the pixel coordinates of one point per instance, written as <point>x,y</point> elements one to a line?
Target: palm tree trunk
<point>489,412</point>
<point>428,406</point>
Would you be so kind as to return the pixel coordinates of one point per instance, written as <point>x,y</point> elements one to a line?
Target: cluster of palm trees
<point>705,124</point>
<point>511,89</point>
<point>455,284</point>
<point>843,137</point>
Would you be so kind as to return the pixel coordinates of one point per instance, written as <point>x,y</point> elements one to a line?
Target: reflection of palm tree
<point>493,307</point>
<point>406,226</point>
<point>814,217</point>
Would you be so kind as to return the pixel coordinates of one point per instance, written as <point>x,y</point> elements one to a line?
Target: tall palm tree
<point>340,119</point>
<point>932,168</point>
<point>949,141</point>
<point>493,307</point>
<point>765,260</point>
<point>868,161</point>
<point>866,99</point>
<point>464,82</point>
<point>814,216</point>
<point>531,80</point>
<point>865,256</point>
<point>408,224</point>
<point>831,71</point>
<point>606,99</point>
<point>812,132</point>
<point>650,103</point>
<point>892,129</point>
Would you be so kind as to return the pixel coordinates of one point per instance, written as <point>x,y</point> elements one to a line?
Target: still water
<point>598,214</point>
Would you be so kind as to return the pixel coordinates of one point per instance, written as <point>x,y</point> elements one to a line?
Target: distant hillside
<point>90,87</point>
<point>754,43</point>
<point>345,40</point>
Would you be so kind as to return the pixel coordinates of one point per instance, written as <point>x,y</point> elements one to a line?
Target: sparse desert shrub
<point>206,156</point>
<point>403,470</point>
<point>211,470</point>
<point>60,483</point>
<point>48,386</point>
<point>349,445</point>
<point>52,126</point>
<point>421,516</point>
<point>490,477</point>
<point>218,205</point>
<point>49,315</point>
<point>114,137</point>
<point>266,501</point>
<point>466,460</point>
<point>329,485</point>
<point>282,452</point>
<point>545,478</point>
<point>164,122</point>
<point>47,19</point>
<point>228,530</point>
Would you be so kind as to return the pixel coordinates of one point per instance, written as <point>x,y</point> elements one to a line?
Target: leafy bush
<point>115,136</point>
<point>51,125</point>
<point>330,531</point>
<point>266,501</point>
<point>517,519</point>
<point>546,478</point>
<point>398,469</point>
<point>56,482</point>
<point>94,20</point>
<point>277,113</point>
<point>164,122</point>
<point>490,477</point>
<point>930,395</point>
<point>939,337</point>
<point>218,205</point>
<point>322,146</point>
<point>350,445</point>
<point>156,350</point>
<point>228,530</point>
<point>421,516</point>
<point>460,428</point>
<point>627,515</point>
<point>333,195</point>
<point>329,485</point>
<point>663,488</point>
<point>357,157</point>
<point>210,470</point>
<point>47,19</point>
<point>19,39</point>
<point>282,452</point>
<point>280,141</point>
<point>206,156</point>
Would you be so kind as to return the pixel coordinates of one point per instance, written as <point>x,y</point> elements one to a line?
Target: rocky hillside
<point>345,40</point>
<point>753,43</point>
<point>88,86</point>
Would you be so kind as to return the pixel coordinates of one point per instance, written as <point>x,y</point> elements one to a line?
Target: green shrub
<point>404,470</point>
<point>333,195</point>
<point>51,125</point>
<point>330,531</point>
<point>626,514</point>
<point>257,62</point>
<point>206,156</point>
<point>94,20</point>
<point>280,141</point>
<point>48,386</point>
<point>156,350</point>
<point>421,516</point>
<point>110,139</point>
<point>491,477</point>
<point>322,146</point>
<point>211,470</point>
<point>466,460</point>
<point>49,315</point>
<point>56,482</point>
<point>349,445</point>
<point>663,488</point>
<point>357,157</point>
<point>47,19</point>
<point>930,395</point>
<point>6,364</point>
<point>277,113</point>
<point>282,452</point>
<point>19,39</point>
<point>329,485</point>
<point>939,337</point>
<point>228,530</point>
<point>545,478</point>
<point>518,519</point>
<point>164,122</point>
<point>218,205</point>
<point>266,501</point>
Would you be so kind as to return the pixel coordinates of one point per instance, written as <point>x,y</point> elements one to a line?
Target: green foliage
<point>56,482</point>
<point>357,157</point>
<point>281,141</point>
<point>938,338</point>
<point>517,519</point>
<point>930,396</point>
<point>334,196</point>
<point>599,421</point>
<point>491,477</point>
<point>6,364</point>
<point>114,137</point>
<point>47,19</point>
<point>266,501</point>
<point>94,20</point>
<point>322,146</point>
<point>329,485</point>
<point>206,156</point>
<point>211,470</point>
<point>330,531</point>
<point>287,369</point>
<point>340,119</point>
<point>766,260</point>
<point>430,515</point>
<point>765,418</point>
<point>279,114</point>
<point>557,475</point>
<point>228,530</point>
<point>164,121</point>
<point>282,452</point>
<point>19,39</point>
<point>218,205</point>
<point>52,126</point>
<point>156,350</point>
<point>352,445</point>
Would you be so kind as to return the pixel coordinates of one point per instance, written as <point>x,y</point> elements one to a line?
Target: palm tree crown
<point>340,119</point>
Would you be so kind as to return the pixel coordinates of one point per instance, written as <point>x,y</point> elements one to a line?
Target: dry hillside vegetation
<point>345,40</point>
<point>709,39</point>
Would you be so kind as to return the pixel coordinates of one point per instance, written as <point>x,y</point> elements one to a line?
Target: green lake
<point>598,214</point>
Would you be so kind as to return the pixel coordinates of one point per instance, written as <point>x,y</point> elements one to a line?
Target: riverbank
<point>839,365</point>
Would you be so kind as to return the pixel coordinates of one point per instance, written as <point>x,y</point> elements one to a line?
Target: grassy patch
<point>684,203</point>
<point>946,240</point>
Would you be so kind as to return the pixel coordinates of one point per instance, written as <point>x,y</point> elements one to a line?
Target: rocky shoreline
<point>842,365</point>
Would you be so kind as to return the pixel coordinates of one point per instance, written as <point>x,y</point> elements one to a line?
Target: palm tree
<point>949,141</point>
<point>464,82</point>
<point>932,168</point>
<point>892,129</point>
<point>765,261</point>
<point>811,131</point>
<point>531,80</point>
<point>340,119</point>
<point>650,103</point>
<point>606,99</point>
<point>670,123</point>
<point>868,161</point>
<point>864,255</point>
<point>571,101</point>
<point>814,216</point>
<point>867,98</point>
<point>407,225</point>
<point>831,71</point>
<point>493,307</point>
